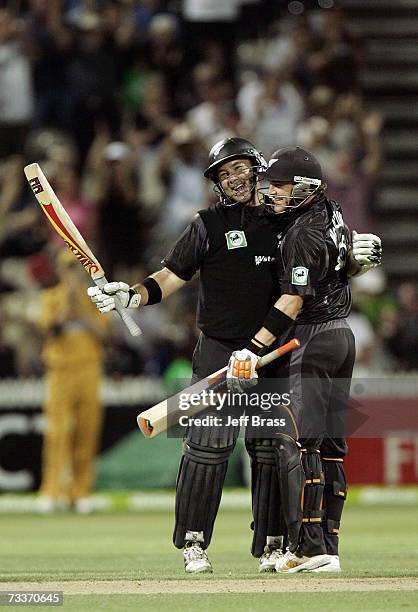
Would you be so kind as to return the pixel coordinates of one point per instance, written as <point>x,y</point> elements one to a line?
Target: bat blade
<point>157,419</point>
<point>64,226</point>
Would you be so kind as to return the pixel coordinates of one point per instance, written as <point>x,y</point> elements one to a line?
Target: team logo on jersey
<point>235,239</point>
<point>300,276</point>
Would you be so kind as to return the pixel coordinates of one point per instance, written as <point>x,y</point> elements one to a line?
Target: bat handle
<point>134,329</point>
<point>282,350</point>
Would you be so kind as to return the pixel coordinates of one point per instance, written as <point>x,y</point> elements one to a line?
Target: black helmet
<point>289,163</point>
<point>297,166</point>
<point>228,149</point>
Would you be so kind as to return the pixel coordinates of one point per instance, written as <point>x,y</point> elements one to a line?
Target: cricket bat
<point>155,420</point>
<point>61,222</point>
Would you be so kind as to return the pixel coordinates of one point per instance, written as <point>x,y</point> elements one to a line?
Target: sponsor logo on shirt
<point>300,276</point>
<point>235,239</point>
<point>263,259</point>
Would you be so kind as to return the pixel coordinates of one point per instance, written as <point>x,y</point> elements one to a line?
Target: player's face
<point>236,178</point>
<point>279,193</point>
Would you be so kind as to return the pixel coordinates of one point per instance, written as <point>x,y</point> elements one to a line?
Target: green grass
<point>376,541</point>
<point>240,602</point>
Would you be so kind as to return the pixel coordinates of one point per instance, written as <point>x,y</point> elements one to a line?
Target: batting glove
<point>105,298</point>
<point>367,251</point>
<point>241,372</point>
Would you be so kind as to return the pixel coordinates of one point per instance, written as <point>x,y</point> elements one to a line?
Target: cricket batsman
<point>314,261</point>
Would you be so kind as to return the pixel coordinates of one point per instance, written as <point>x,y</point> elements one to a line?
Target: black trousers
<point>319,378</point>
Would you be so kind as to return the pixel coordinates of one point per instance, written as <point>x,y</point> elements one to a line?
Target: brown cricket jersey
<point>312,262</point>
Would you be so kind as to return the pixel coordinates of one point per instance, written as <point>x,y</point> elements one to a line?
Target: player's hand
<point>241,372</point>
<point>105,298</point>
<point>367,251</point>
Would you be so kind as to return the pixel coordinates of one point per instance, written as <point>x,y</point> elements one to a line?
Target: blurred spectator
<point>73,356</point>
<point>13,222</point>
<point>293,44</point>
<point>357,161</point>
<point>16,92</point>
<point>121,223</point>
<point>93,71</point>
<point>181,168</point>
<point>314,135</point>
<point>336,63</point>
<point>49,43</point>
<point>64,176</point>
<point>207,22</point>
<point>401,333</point>
<point>271,109</point>
<point>164,52</point>
<point>214,94</point>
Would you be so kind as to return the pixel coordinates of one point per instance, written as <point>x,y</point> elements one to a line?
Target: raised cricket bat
<point>61,222</point>
<point>155,420</point>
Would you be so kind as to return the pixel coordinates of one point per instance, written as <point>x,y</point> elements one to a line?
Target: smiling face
<point>237,180</point>
<point>279,193</point>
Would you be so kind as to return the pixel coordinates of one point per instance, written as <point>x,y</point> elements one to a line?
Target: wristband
<point>154,291</point>
<point>134,298</point>
<point>277,322</point>
<point>257,347</point>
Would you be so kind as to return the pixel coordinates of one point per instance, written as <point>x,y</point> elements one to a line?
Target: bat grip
<point>282,350</point>
<point>134,329</point>
<point>219,381</point>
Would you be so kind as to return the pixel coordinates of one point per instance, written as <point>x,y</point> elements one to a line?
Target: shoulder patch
<point>300,275</point>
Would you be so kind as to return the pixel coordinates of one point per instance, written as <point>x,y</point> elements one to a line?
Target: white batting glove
<point>105,298</point>
<point>367,251</point>
<point>241,372</point>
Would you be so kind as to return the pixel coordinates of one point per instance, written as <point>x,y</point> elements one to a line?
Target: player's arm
<point>304,261</point>
<point>288,307</point>
<point>181,263</point>
<point>242,364</point>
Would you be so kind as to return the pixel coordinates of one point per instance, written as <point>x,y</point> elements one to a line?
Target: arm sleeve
<point>305,261</point>
<point>185,257</point>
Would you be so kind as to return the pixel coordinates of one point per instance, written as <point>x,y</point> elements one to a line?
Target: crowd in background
<point>121,100</point>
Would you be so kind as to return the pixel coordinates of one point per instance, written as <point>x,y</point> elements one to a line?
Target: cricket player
<point>314,261</point>
<point>74,335</point>
<point>233,245</point>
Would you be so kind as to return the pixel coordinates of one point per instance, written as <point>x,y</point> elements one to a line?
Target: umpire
<point>313,265</point>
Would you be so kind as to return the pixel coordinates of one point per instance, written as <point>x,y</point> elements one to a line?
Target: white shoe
<point>332,566</point>
<point>84,505</point>
<point>269,559</point>
<point>291,563</point>
<point>45,505</point>
<point>48,505</point>
<point>196,559</point>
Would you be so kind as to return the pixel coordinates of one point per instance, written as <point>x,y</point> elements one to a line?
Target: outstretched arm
<point>152,290</point>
